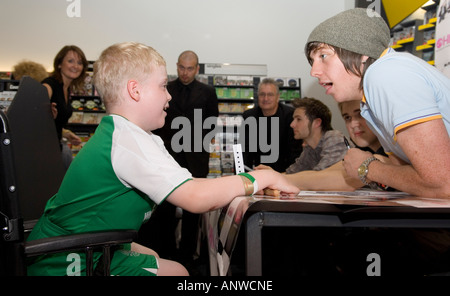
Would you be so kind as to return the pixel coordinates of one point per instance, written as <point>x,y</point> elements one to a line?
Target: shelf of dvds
<point>237,94</point>
<point>404,37</point>
<point>417,36</point>
<point>426,31</point>
<point>8,89</point>
<point>88,111</point>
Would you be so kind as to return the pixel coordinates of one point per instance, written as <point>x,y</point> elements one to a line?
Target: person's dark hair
<point>352,61</point>
<point>79,82</point>
<point>315,109</point>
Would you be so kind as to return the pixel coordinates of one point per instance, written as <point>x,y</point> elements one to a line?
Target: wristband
<point>250,184</point>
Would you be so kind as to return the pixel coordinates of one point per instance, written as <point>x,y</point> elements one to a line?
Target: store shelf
<point>8,89</point>
<point>423,47</point>
<point>422,32</point>
<point>404,41</point>
<point>425,27</point>
<point>428,45</point>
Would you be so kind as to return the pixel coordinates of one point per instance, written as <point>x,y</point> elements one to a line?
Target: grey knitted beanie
<point>354,30</point>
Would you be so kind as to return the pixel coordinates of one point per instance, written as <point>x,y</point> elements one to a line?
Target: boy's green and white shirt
<point>114,182</point>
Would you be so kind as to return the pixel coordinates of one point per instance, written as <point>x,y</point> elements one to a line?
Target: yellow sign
<point>397,10</point>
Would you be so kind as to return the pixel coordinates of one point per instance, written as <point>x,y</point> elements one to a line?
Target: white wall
<point>220,31</point>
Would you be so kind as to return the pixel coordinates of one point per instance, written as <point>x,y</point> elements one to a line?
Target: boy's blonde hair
<point>121,62</point>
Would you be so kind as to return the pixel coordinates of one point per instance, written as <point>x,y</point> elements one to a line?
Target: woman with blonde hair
<point>29,68</point>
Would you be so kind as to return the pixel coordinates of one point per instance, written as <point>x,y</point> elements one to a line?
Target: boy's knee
<point>171,268</point>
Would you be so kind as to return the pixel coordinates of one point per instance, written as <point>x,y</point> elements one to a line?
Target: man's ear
<point>364,59</point>
<point>133,89</point>
<point>317,122</point>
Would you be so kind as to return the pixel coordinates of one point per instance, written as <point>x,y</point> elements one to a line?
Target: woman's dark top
<point>64,109</point>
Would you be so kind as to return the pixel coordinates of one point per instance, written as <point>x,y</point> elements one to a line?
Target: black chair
<point>16,193</point>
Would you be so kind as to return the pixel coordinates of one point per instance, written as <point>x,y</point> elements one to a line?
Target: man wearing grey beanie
<point>405,101</point>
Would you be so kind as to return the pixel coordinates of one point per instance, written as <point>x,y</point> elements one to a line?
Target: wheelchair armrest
<point>78,241</point>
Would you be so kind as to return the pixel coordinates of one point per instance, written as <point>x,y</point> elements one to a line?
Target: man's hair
<point>352,61</point>
<point>271,81</point>
<point>120,62</point>
<point>315,109</point>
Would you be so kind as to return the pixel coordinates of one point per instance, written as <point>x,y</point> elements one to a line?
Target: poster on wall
<point>442,47</point>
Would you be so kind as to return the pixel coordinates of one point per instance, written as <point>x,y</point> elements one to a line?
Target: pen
<point>247,168</point>
<point>347,143</point>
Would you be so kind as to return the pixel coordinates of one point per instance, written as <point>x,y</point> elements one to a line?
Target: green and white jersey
<point>114,182</point>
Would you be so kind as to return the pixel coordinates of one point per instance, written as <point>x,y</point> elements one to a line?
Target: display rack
<point>234,93</point>
<point>88,110</point>
<point>426,33</point>
<point>8,89</point>
<point>404,37</point>
<point>417,36</point>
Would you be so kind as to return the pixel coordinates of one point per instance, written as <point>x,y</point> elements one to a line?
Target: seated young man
<point>335,177</point>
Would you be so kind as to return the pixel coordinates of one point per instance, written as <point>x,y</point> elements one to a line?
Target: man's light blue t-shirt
<point>402,90</point>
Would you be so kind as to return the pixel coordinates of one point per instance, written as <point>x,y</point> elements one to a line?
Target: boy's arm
<point>202,195</point>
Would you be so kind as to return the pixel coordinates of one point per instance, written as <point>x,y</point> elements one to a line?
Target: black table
<point>343,213</point>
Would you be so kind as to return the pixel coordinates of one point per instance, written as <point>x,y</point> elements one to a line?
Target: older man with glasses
<point>270,108</point>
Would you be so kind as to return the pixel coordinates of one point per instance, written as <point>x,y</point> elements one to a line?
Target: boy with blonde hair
<point>124,171</point>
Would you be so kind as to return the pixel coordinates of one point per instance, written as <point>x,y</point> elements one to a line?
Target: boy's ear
<point>133,89</point>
